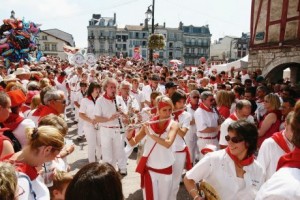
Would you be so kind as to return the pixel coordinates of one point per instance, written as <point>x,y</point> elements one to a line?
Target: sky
<point>224,17</point>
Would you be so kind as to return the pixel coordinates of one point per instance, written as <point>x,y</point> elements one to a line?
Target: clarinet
<point>117,109</point>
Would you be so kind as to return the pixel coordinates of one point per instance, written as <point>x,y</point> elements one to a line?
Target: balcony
<point>102,37</point>
<point>91,37</point>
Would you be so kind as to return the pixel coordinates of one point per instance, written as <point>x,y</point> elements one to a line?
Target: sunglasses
<point>235,139</point>
<point>61,101</point>
<point>196,97</point>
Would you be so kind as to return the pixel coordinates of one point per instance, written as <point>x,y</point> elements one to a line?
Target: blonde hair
<point>192,86</point>
<point>163,99</point>
<point>45,136</point>
<point>60,180</point>
<point>56,121</point>
<point>45,82</point>
<point>223,99</point>
<point>8,181</point>
<point>107,81</point>
<point>273,100</point>
<point>35,102</point>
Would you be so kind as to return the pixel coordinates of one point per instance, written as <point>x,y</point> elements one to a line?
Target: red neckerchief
<point>194,107</point>
<point>135,92</point>
<point>25,107</point>
<point>177,114</point>
<point>291,160</point>
<point>13,121</point>
<point>107,97</point>
<point>38,110</point>
<point>153,110</point>
<point>155,127</point>
<point>279,139</point>
<point>233,117</point>
<point>60,79</point>
<point>22,167</point>
<point>46,110</point>
<point>245,162</point>
<point>52,82</point>
<point>92,99</point>
<point>204,107</point>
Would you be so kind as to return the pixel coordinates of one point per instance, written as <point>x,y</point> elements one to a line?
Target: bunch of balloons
<point>17,39</point>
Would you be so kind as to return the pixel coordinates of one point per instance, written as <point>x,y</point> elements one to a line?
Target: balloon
<point>8,52</point>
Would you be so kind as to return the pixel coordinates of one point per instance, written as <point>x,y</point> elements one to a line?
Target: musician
<point>77,99</point>
<point>242,111</point>
<point>153,86</point>
<point>206,120</point>
<point>276,146</point>
<point>181,152</point>
<point>191,137</point>
<point>86,114</point>
<point>232,172</point>
<point>138,95</point>
<point>107,113</point>
<point>156,176</point>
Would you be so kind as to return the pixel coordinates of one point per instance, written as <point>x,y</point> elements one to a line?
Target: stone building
<point>52,41</point>
<point>275,38</point>
<point>186,43</point>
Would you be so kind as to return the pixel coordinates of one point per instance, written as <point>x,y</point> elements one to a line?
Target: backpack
<point>15,142</point>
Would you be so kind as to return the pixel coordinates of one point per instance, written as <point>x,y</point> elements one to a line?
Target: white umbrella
<point>175,61</point>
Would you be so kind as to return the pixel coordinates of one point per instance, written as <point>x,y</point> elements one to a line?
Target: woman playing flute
<point>156,164</point>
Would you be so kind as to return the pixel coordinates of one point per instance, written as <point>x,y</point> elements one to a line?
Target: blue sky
<point>230,17</point>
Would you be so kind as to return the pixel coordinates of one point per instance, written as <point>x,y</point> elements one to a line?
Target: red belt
<point>209,138</point>
<point>188,160</point>
<point>111,126</point>
<point>147,182</point>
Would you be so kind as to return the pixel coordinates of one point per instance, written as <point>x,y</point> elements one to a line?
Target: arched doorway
<point>277,72</point>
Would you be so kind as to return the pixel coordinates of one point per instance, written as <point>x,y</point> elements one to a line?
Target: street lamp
<point>150,15</point>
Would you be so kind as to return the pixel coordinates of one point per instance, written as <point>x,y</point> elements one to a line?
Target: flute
<point>139,125</point>
<point>117,109</point>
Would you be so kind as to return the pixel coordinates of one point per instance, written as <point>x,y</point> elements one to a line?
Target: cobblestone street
<point>130,183</point>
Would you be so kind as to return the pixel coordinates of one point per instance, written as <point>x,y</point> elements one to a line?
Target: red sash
<point>146,181</point>
<point>245,162</point>
<point>279,139</point>
<point>202,106</point>
<point>38,110</point>
<point>291,160</point>
<point>22,167</point>
<point>188,160</point>
<point>194,107</point>
<point>177,114</point>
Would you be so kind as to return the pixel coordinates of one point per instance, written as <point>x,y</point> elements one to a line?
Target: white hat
<point>10,77</point>
<point>20,71</point>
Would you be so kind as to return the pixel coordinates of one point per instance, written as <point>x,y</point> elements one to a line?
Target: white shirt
<point>189,136</point>
<point>87,107</point>
<point>269,154</point>
<point>283,185</point>
<point>204,119</point>
<point>19,132</point>
<point>139,96</point>
<point>184,121</point>
<point>160,157</point>
<point>224,129</point>
<point>147,90</point>
<point>218,170</point>
<point>106,108</point>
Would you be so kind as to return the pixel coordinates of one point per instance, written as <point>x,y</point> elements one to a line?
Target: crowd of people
<point>232,131</point>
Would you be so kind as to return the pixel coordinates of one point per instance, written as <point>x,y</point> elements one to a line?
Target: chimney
<point>115,18</point>
<point>164,24</point>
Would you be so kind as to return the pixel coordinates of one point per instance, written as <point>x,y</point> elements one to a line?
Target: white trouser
<point>112,145</point>
<point>80,127</point>
<point>93,138</point>
<point>178,167</point>
<point>162,185</point>
<point>201,143</point>
<point>191,143</point>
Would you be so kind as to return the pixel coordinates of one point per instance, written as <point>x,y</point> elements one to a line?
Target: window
<point>144,53</point>
<point>54,47</point>
<point>170,55</point>
<point>161,54</point>
<point>130,53</point>
<point>44,37</point>
<point>124,46</point>
<point>171,45</point>
<point>171,35</point>
<point>187,50</point>
<point>192,50</point>
<point>136,35</point>
<point>47,47</point>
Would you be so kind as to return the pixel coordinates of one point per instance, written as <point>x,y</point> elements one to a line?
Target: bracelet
<point>196,197</point>
<point>194,189</point>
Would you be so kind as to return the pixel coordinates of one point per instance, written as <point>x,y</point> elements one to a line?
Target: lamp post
<point>150,15</point>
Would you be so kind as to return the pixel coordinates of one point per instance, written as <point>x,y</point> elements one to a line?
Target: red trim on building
<point>285,5</point>
<point>251,23</point>
<point>257,17</point>
<point>268,21</point>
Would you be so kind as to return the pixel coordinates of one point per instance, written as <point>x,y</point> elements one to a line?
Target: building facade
<point>52,41</point>
<point>185,43</point>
